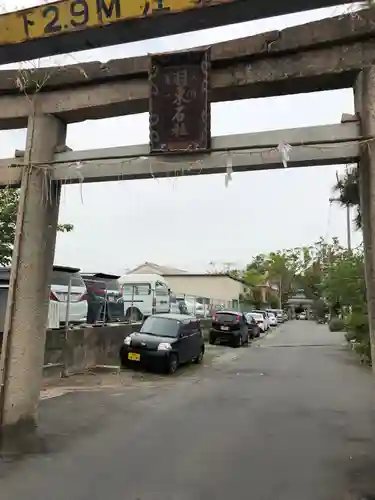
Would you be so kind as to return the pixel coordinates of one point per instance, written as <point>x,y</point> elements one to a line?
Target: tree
<point>320,308</point>
<point>9,199</point>
<point>279,267</point>
<point>347,187</point>
<point>273,302</point>
<point>314,263</point>
<point>253,278</point>
<point>344,283</point>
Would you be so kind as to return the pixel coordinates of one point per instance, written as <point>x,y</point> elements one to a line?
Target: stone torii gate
<point>329,54</point>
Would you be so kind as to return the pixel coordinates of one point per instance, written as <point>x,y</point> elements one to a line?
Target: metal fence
<point>201,306</point>
<point>106,304</point>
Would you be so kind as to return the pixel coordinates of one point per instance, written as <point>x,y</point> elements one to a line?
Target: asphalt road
<point>290,418</point>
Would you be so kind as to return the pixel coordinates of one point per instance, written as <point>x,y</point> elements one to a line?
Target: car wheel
<point>172,364</point>
<point>133,314</point>
<point>199,358</point>
<point>239,341</point>
<point>122,356</point>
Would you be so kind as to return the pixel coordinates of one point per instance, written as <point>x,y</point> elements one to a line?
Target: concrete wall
<point>86,348</point>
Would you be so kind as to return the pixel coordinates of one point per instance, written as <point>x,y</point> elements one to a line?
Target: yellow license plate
<point>133,356</point>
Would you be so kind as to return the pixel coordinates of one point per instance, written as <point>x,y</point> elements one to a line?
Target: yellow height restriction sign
<point>73,25</point>
<point>67,16</point>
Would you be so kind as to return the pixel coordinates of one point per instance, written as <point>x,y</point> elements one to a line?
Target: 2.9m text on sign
<point>66,16</point>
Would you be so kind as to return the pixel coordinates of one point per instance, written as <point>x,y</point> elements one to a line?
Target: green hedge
<point>357,332</point>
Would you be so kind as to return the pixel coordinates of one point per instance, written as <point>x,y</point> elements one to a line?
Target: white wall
<point>220,288</point>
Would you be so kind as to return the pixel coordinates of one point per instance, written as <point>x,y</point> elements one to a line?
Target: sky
<point>191,221</point>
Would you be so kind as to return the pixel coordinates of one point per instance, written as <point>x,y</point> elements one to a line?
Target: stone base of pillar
<point>21,439</point>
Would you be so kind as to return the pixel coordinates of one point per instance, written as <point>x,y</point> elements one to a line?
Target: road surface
<point>290,418</point>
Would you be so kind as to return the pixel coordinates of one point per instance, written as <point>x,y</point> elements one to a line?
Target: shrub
<point>357,324</point>
<point>363,348</point>
<point>357,327</point>
<point>350,336</point>
<point>336,325</point>
<point>320,309</point>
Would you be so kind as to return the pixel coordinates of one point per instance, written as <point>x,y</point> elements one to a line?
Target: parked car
<point>77,313</point>
<point>259,318</point>
<point>193,307</point>
<point>266,321</point>
<point>230,327</point>
<point>302,316</point>
<point>279,313</point>
<point>78,306</point>
<point>254,328</point>
<point>103,294</point>
<point>272,319</point>
<point>164,341</point>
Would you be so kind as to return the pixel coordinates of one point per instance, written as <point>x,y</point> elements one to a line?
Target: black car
<point>230,327</point>
<point>165,341</point>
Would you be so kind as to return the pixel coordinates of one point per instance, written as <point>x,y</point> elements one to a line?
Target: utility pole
<point>348,228</point>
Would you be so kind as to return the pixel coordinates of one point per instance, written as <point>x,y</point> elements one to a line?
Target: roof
<point>163,270</point>
<point>205,275</point>
<point>141,278</point>
<point>168,271</point>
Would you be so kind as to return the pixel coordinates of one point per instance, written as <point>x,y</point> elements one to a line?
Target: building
<point>218,288</point>
<point>266,291</point>
<point>299,302</point>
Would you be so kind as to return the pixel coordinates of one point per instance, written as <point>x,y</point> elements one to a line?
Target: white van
<point>143,295</point>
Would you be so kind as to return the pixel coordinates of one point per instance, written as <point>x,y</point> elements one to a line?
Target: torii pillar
<point>27,308</point>
<point>364,93</point>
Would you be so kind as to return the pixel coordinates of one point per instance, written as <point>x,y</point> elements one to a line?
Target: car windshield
<point>257,316</point>
<point>227,317</point>
<point>161,327</point>
<point>271,315</point>
<point>261,313</point>
<point>62,278</point>
<point>101,284</point>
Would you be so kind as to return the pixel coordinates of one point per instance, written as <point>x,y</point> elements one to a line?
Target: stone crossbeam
<point>321,145</point>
